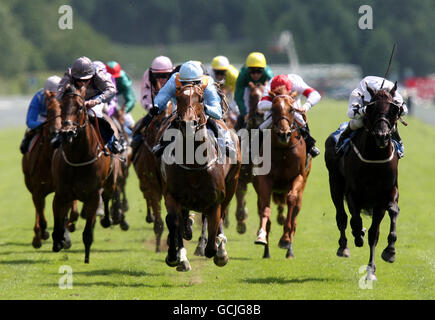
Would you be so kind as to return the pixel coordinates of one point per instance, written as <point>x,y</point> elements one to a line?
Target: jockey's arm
<point>241,84</point>
<point>128,93</point>
<point>166,93</point>
<point>312,95</point>
<point>212,102</point>
<point>145,91</point>
<point>105,85</point>
<point>35,108</point>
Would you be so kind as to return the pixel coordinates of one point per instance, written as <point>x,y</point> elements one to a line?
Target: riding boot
<point>399,144</point>
<point>222,139</point>
<point>109,137</point>
<point>344,135</point>
<point>309,141</point>
<point>25,142</point>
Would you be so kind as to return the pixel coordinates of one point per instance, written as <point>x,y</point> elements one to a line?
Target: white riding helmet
<point>191,71</point>
<point>52,83</point>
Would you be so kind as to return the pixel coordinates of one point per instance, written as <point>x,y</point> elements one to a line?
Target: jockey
<point>153,79</point>
<point>254,70</point>
<point>99,90</point>
<point>110,107</point>
<point>37,112</point>
<point>190,72</point>
<point>358,100</point>
<point>226,75</point>
<point>292,82</point>
<point>124,87</point>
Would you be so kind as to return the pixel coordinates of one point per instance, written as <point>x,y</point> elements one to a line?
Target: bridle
<point>293,125</point>
<point>202,117</point>
<point>369,127</point>
<point>82,109</point>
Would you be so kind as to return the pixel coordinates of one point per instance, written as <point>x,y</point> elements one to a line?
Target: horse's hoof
<point>124,225</point>
<point>289,254</point>
<point>87,260</point>
<point>220,261</point>
<point>184,266</point>
<point>36,243</point>
<point>158,249</point>
<point>343,252</point>
<point>241,227</point>
<point>359,241</point>
<point>371,276</point>
<point>57,246</point>
<point>105,222</point>
<point>389,255</point>
<point>199,251</point>
<point>45,235</point>
<point>284,244</point>
<point>71,227</point>
<point>149,218</point>
<point>171,264</point>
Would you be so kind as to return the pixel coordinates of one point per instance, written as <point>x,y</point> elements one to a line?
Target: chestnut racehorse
<point>288,175</point>
<point>204,185</point>
<point>255,118</point>
<point>36,166</point>
<point>367,177</point>
<point>81,167</point>
<point>147,169</point>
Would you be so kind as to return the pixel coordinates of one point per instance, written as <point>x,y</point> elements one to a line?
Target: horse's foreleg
<point>356,222</point>
<point>389,253</point>
<point>60,210</point>
<point>264,191</point>
<point>158,222</point>
<point>378,215</point>
<point>213,219</point>
<point>73,217</point>
<point>90,209</point>
<point>202,241</point>
<point>40,222</point>
<point>241,211</point>
<point>105,221</point>
<point>221,257</point>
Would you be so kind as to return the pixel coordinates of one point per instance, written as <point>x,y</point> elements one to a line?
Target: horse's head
<point>283,114</point>
<point>73,112</point>
<point>381,115</point>
<point>53,111</point>
<point>256,93</point>
<point>190,106</point>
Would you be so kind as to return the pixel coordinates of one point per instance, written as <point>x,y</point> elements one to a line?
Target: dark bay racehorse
<point>286,181</point>
<point>367,177</point>
<point>255,118</point>
<point>203,187</point>
<point>81,167</point>
<point>147,169</point>
<point>36,166</point>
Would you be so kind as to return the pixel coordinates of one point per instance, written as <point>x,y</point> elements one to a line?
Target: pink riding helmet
<point>162,64</point>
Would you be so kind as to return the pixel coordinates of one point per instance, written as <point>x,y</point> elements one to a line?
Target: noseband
<point>293,126</point>
<point>190,105</point>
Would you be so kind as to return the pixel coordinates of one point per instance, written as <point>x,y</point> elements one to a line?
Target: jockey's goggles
<point>195,82</point>
<point>256,70</point>
<point>220,72</point>
<point>164,75</point>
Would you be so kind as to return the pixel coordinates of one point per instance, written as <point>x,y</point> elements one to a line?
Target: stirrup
<point>314,151</point>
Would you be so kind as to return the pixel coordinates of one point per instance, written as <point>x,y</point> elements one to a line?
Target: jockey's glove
<point>306,107</point>
<point>92,103</point>
<point>154,110</point>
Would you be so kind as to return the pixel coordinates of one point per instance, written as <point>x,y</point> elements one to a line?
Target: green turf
<point>123,265</point>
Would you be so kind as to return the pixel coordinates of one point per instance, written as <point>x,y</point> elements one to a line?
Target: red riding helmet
<point>281,80</point>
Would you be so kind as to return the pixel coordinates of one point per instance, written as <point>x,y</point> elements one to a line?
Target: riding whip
<point>389,65</point>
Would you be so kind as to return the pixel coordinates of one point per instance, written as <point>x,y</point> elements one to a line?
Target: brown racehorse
<point>204,185</point>
<point>80,168</point>
<point>255,118</point>
<point>148,172</point>
<point>120,206</point>
<point>36,166</point>
<point>288,175</point>
<point>367,177</point>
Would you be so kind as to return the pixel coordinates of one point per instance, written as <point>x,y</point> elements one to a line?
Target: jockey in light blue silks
<point>191,72</point>
<point>358,100</point>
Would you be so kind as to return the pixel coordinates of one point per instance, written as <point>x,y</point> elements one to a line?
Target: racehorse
<point>288,175</point>
<point>36,166</point>
<point>203,186</point>
<point>120,206</point>
<point>81,167</point>
<point>148,172</point>
<point>367,177</point>
<point>255,118</point>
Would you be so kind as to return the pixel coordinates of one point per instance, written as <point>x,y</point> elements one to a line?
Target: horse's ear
<point>393,90</point>
<point>251,85</point>
<point>293,94</point>
<point>370,90</point>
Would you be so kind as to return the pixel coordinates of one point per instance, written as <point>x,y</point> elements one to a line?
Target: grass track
<point>123,265</point>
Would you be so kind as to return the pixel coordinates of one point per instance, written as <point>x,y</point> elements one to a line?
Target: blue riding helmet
<point>191,71</point>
